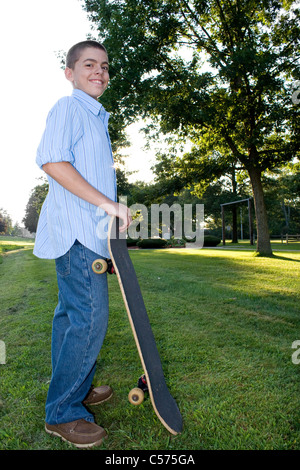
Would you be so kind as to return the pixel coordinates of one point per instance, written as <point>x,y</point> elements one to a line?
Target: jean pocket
<point>63,264</point>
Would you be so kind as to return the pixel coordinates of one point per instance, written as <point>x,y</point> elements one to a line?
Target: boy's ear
<point>69,74</point>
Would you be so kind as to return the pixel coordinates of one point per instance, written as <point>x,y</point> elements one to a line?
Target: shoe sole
<point>98,402</point>
<point>80,446</point>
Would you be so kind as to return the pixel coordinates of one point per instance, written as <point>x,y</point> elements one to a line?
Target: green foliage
<point>175,243</point>
<point>152,243</point>
<point>5,222</point>
<point>237,110</point>
<point>210,240</point>
<point>34,205</point>
<point>131,242</point>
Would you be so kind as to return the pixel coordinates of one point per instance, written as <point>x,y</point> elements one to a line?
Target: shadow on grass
<point>285,258</point>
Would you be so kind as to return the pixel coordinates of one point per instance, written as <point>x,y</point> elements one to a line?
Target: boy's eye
<point>105,68</point>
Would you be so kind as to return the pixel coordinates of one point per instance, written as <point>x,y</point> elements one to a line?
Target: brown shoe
<point>81,433</point>
<point>98,395</point>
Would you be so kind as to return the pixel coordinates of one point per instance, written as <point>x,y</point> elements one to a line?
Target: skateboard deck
<point>162,401</point>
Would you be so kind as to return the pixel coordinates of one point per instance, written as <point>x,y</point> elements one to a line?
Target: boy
<point>76,155</point>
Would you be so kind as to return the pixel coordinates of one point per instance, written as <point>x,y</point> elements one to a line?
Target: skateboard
<point>153,380</point>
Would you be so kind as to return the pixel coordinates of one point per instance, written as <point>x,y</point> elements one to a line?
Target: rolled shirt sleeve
<point>63,131</point>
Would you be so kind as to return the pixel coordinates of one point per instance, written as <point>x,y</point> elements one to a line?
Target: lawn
<point>224,321</point>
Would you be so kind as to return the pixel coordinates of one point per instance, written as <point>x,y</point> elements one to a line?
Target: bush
<point>175,243</point>
<point>131,241</point>
<point>152,243</point>
<point>211,240</point>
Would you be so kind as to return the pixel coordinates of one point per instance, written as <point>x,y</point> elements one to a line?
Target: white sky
<point>31,81</point>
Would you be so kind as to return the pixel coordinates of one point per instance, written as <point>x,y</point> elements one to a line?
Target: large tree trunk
<point>263,236</point>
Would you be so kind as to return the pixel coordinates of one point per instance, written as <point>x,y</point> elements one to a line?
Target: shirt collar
<point>94,106</point>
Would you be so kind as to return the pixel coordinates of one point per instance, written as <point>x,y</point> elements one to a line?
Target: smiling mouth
<point>98,82</point>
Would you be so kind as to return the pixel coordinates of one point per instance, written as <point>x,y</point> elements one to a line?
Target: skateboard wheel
<point>136,396</point>
<point>99,266</point>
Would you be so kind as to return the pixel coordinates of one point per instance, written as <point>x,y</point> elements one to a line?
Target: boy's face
<point>90,73</point>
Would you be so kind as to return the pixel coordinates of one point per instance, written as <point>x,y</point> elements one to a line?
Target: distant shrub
<point>175,243</point>
<point>152,243</point>
<point>131,242</point>
<point>211,240</point>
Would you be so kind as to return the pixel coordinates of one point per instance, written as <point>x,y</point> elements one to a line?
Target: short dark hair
<point>75,51</point>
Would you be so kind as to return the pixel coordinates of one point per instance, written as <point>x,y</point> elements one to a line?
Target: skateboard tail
<point>165,408</point>
<point>177,429</point>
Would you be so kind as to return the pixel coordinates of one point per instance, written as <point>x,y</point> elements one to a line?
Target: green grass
<point>5,247</point>
<point>13,243</point>
<point>276,245</point>
<point>224,322</point>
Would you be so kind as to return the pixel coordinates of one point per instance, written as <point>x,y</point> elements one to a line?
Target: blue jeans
<point>79,327</point>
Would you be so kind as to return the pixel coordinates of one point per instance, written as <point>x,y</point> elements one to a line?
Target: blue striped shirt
<point>76,132</point>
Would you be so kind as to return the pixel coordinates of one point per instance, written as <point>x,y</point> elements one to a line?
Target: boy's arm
<point>68,177</point>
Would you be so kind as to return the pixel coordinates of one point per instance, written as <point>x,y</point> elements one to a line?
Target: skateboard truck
<point>137,394</point>
<point>101,266</point>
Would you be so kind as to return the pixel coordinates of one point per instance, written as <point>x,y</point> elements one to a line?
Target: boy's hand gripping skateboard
<point>163,403</point>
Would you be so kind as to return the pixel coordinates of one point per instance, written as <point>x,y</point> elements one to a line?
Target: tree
<point>33,207</point>
<point>203,167</point>
<point>16,230</point>
<point>242,104</point>
<point>5,222</point>
<point>282,191</point>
